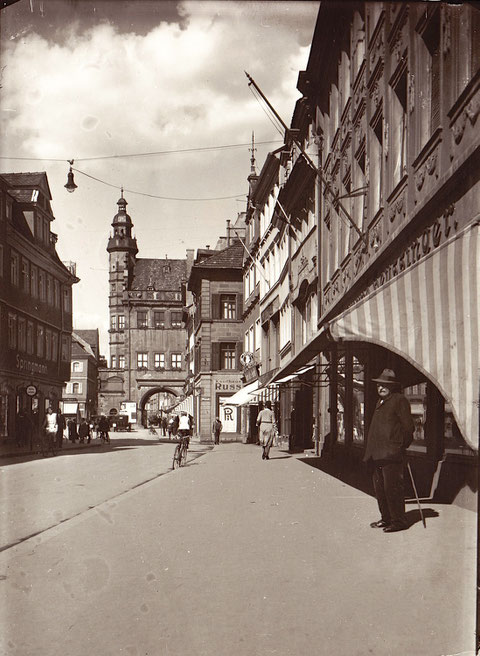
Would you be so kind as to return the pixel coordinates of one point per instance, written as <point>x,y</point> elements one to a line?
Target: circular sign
<point>247,358</point>
<point>31,390</point>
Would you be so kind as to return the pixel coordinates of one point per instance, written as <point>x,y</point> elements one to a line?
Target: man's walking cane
<point>416,495</point>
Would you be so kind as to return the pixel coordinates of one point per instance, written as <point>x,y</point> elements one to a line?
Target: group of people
<point>55,424</point>
<point>389,436</point>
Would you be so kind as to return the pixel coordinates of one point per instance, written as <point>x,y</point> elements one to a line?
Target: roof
<point>28,180</point>
<point>229,258</point>
<point>91,337</point>
<point>163,274</point>
<point>82,343</point>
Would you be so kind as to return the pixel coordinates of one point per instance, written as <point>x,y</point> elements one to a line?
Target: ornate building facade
<point>146,335</point>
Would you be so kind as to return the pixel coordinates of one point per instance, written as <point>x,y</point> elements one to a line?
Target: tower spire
<point>252,158</point>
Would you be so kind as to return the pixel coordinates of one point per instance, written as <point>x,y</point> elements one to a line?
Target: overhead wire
<point>147,154</point>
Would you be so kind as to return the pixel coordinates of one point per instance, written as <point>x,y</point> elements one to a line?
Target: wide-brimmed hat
<point>387,377</point>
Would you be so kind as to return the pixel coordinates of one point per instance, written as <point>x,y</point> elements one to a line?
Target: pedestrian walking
<point>390,434</point>
<point>103,428</point>
<point>84,431</point>
<point>50,424</point>
<point>164,423</point>
<point>265,423</point>
<point>72,430</point>
<point>217,429</point>
<point>61,425</point>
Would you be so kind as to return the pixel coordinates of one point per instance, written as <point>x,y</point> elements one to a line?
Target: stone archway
<point>148,395</point>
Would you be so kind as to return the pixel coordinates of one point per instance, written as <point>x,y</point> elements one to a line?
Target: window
<point>113,322</point>
<point>41,285</point>
<point>77,367</point>
<point>66,348</point>
<point>34,281</point>
<point>228,306</point>
<point>428,86</point>
<point>25,278</point>
<point>141,319</point>
<point>142,360</point>
<point>48,344</point>
<point>121,322</point>
<point>176,319</point>
<point>22,334</point>
<point>56,293</point>
<point>14,269</point>
<point>54,347</point>
<point>30,344</point>
<point>159,319</point>
<point>113,362</point>
<point>228,356</point>
<point>397,150</point>
<point>76,388</point>
<point>67,299</point>
<point>176,360</point>
<point>121,362</point>
<point>49,290</point>
<point>258,334</point>
<point>40,341</point>
<point>12,330</point>
<point>159,360</point>
<point>376,167</point>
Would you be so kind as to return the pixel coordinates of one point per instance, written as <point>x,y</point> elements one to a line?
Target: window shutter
<point>215,306</point>
<point>435,100</point>
<point>215,364</point>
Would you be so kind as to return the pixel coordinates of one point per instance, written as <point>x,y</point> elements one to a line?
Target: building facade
<point>80,393</point>
<point>392,95</point>
<point>216,284</point>
<point>35,308</point>
<point>378,201</point>
<point>146,335</point>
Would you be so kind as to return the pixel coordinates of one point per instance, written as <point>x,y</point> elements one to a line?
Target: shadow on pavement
<point>413,516</point>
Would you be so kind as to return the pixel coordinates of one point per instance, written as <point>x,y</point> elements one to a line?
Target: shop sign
<point>227,385</point>
<point>31,390</point>
<point>31,366</point>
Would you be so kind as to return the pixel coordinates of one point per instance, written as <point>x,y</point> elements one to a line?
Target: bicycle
<point>48,444</point>
<point>180,455</point>
<point>152,431</point>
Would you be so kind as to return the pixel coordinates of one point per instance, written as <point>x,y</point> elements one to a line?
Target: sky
<point>117,87</point>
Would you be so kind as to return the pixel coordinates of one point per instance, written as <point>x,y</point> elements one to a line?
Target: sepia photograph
<point>239,327</point>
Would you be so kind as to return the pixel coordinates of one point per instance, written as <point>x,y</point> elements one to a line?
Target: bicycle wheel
<point>176,457</point>
<point>183,460</point>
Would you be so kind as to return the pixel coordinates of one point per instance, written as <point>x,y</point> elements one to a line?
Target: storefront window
<point>417,396</point>
<point>453,440</point>
<point>358,401</point>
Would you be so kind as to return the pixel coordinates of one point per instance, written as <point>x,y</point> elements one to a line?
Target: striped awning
<point>429,314</point>
<point>184,406</point>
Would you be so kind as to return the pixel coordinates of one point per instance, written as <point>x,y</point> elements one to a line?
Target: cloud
<point>101,91</point>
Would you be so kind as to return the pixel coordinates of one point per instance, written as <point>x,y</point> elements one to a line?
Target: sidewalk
<point>332,584</point>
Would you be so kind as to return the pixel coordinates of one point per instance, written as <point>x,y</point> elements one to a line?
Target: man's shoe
<point>379,524</point>
<point>394,529</point>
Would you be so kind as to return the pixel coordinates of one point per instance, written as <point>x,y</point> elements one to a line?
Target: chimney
<point>228,232</point>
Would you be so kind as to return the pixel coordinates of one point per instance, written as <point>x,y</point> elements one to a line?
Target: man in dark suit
<point>389,435</point>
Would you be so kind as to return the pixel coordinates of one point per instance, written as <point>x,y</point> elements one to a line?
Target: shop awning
<point>429,314</point>
<point>310,350</point>
<point>297,373</point>
<point>242,397</point>
<point>184,406</point>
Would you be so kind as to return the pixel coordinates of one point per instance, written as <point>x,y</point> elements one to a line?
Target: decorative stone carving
<point>397,208</point>
<point>447,31</point>
<point>470,113</point>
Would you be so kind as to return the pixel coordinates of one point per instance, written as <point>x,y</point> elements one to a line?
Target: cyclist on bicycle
<point>184,427</point>
<point>103,428</point>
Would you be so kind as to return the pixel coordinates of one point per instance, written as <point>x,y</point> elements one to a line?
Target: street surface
<point>229,555</point>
